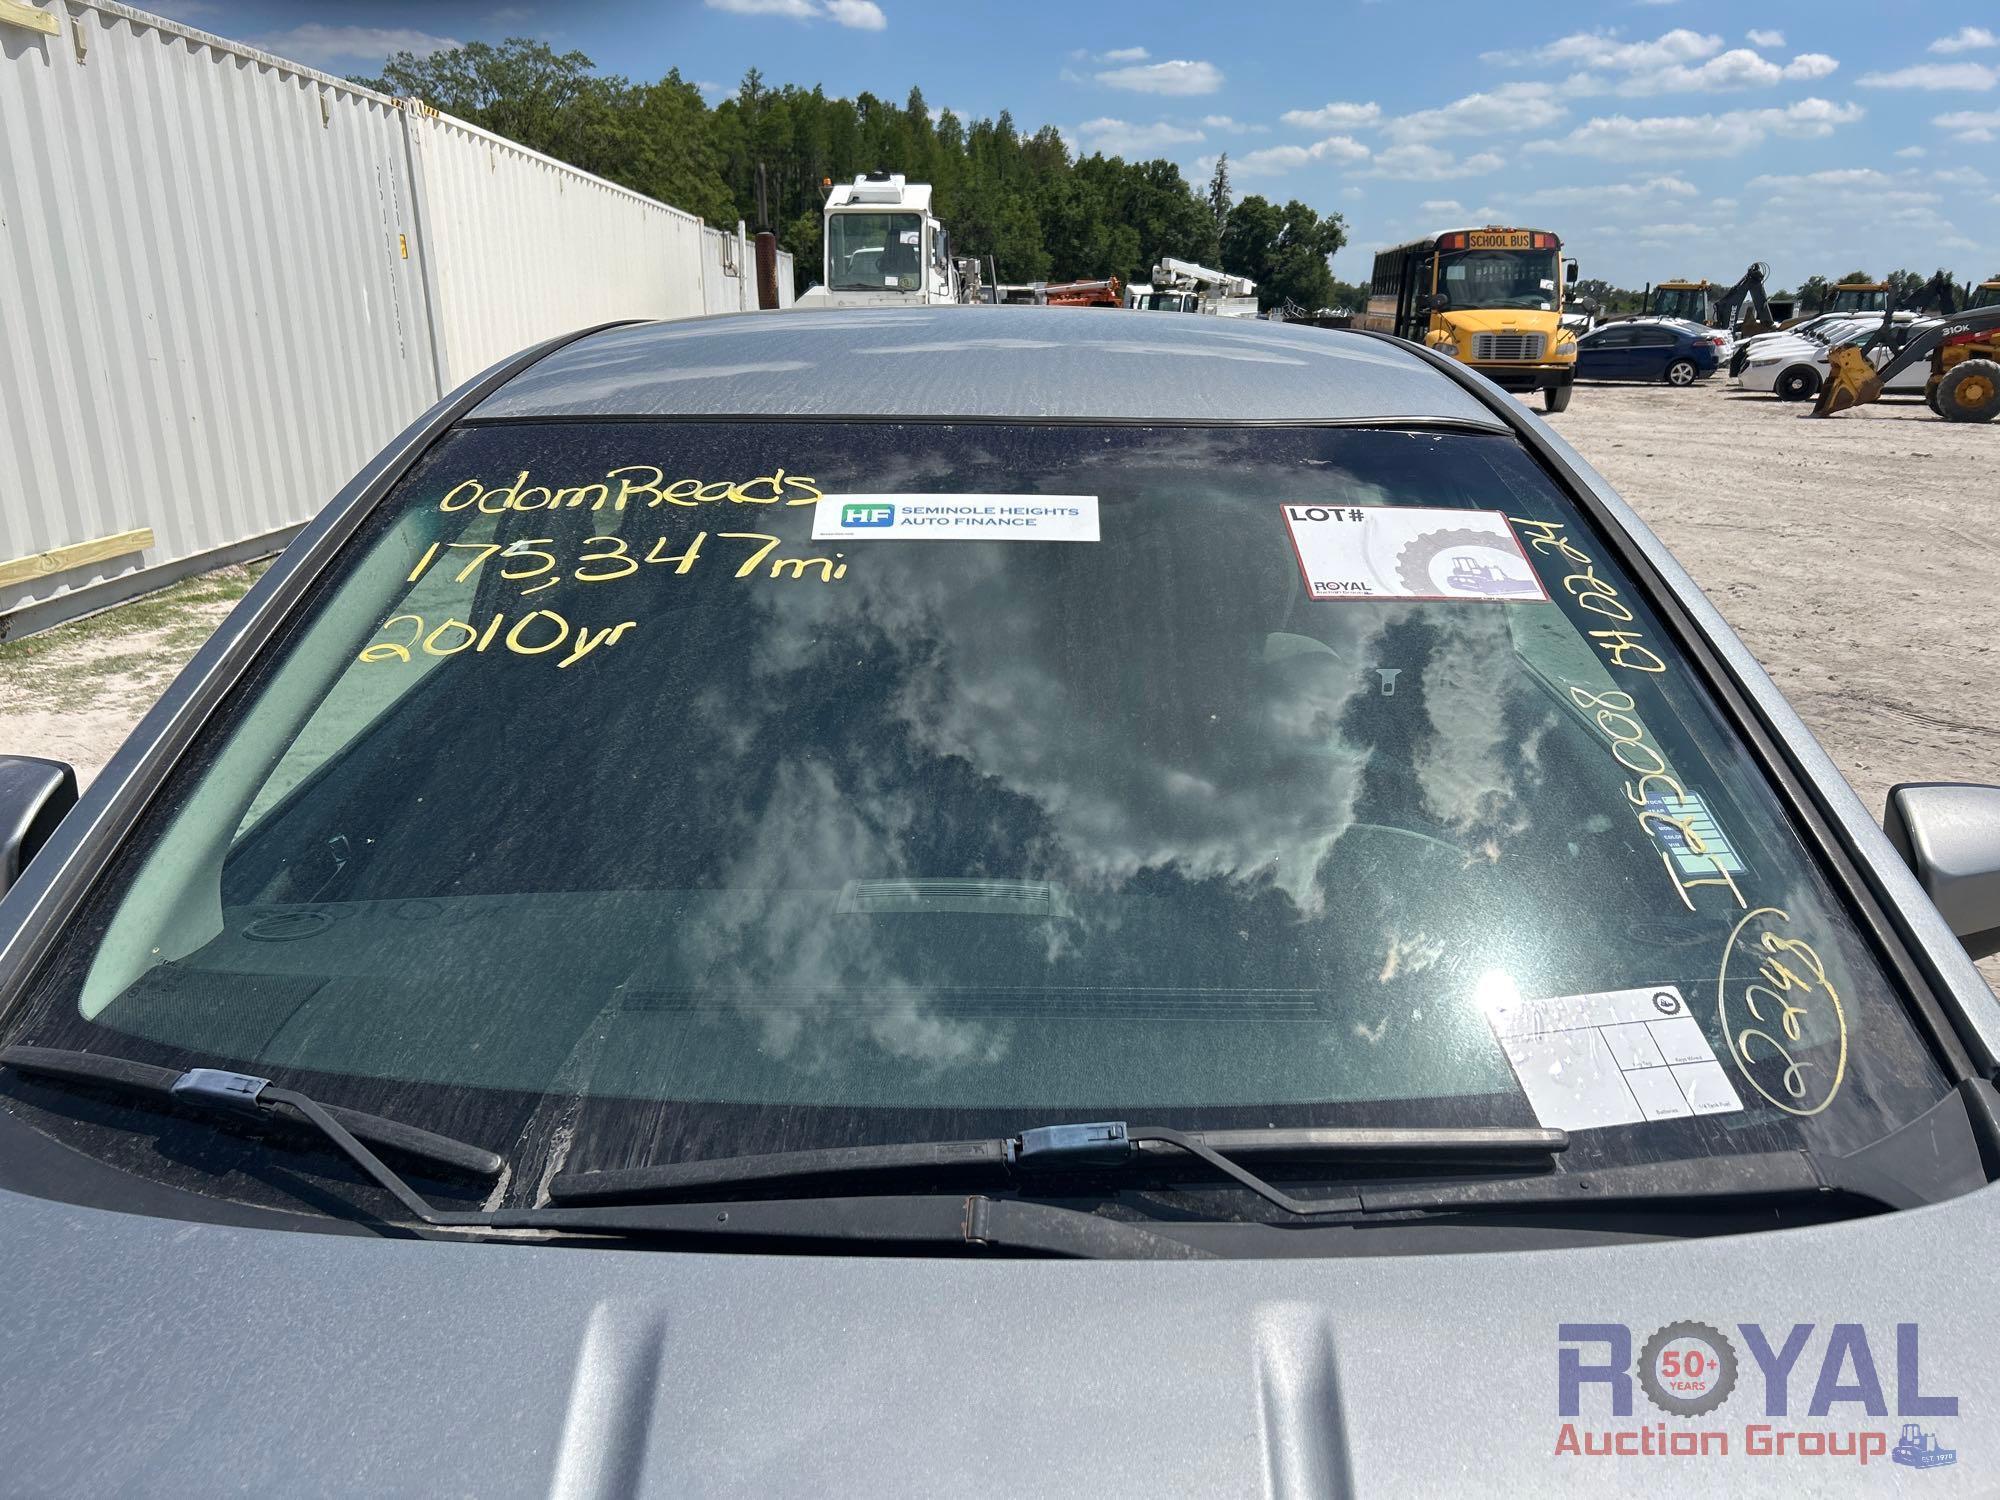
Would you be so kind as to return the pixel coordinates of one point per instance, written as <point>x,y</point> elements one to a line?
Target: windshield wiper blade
<point>1064,1148</point>
<point>852,1224</point>
<point>244,1094</point>
<point>960,1222</point>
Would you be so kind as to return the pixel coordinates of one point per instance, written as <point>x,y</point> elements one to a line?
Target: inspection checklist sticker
<point>1618,1057</point>
<point>1409,552</point>
<point>957,518</point>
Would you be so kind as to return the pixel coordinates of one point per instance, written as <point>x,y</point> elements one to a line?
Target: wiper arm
<point>1064,1148</point>
<point>243,1094</point>
<point>956,1222</point>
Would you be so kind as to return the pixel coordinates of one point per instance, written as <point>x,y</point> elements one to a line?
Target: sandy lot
<point>1855,555</point>
<point>75,692</point>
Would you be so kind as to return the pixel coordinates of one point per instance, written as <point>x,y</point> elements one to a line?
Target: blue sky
<point>1660,138</point>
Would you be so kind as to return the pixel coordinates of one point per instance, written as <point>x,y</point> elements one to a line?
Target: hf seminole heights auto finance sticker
<point>1402,552</point>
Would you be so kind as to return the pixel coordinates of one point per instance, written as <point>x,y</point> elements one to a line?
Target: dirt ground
<point>75,692</point>
<point>1855,555</point>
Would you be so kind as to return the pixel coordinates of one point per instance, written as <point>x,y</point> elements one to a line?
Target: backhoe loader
<point>1964,354</point>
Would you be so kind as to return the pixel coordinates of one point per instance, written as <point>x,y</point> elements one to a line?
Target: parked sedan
<point>1669,349</point>
<point>735,845</point>
<point>1793,369</point>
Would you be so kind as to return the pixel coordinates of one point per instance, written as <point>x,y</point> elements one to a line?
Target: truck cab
<point>1692,300</point>
<point>1860,297</point>
<point>883,247</point>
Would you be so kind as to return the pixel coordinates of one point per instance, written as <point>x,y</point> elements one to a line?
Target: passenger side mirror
<point>34,795</point>
<point>1949,835</point>
<point>1436,302</point>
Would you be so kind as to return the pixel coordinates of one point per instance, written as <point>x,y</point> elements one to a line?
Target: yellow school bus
<point>1491,297</point>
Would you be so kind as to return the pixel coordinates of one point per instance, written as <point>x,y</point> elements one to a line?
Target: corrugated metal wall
<point>524,247</point>
<point>205,315</point>
<point>728,271</point>
<point>227,280</point>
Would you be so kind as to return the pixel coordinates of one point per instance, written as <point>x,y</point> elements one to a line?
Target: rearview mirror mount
<point>34,795</point>
<point>1949,835</point>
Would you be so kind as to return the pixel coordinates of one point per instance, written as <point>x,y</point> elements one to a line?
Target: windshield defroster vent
<point>986,898</point>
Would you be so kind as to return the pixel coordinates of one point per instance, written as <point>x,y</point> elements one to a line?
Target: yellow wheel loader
<point>1964,355</point>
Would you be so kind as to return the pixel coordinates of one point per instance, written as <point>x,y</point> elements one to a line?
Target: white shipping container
<point>228,280</point>
<point>208,320</point>
<point>522,247</point>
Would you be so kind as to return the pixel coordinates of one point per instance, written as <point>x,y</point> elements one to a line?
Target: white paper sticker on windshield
<point>989,518</point>
<point>1716,851</point>
<point>1402,552</point>
<point>909,236</point>
<point>1618,1057</point>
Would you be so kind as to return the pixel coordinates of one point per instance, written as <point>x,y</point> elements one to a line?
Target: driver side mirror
<point>1436,302</point>
<point>34,795</point>
<point>1949,835</point>
<point>1570,272</point>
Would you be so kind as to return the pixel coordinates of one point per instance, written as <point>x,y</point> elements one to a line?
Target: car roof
<point>1022,363</point>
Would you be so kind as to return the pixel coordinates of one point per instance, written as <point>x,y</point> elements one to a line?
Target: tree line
<point>1022,203</point>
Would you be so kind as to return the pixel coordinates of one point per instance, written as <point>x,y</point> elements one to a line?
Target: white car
<point>1793,365</point>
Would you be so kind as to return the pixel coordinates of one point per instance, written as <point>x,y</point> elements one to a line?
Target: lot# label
<point>990,518</point>
<point>1408,552</point>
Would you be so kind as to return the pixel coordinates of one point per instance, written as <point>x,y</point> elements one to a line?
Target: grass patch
<point>67,667</point>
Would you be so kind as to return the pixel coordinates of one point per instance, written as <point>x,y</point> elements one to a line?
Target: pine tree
<point>1218,192</point>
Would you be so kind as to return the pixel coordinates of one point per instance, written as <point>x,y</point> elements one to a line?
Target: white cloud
<point>1225,122</point>
<point>1727,133</point>
<point>1645,194</point>
<point>860,15</point>
<point>1960,176</point>
<point>1510,107</point>
<point>1440,206</point>
<point>1972,125</point>
<point>1976,77</point>
<point>1273,159</point>
<point>1177,76</point>
<point>1764,38</point>
<point>1911,151</point>
<point>1965,39</point>
<point>1600,49</point>
<point>1334,116</point>
<point>331,47</point>
<point>1119,138</point>
<point>1124,55</point>
<point>1414,161</point>
<point>1677,61</point>
<point>1738,68</point>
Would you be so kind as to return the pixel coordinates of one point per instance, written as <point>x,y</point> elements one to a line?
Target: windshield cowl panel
<point>639,793</point>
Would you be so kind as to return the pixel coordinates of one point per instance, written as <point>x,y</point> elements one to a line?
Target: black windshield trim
<point>932,419</point>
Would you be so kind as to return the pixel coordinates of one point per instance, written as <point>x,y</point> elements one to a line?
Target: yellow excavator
<point>1964,354</point>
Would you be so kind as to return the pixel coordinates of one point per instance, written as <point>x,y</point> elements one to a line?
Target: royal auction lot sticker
<point>1405,552</point>
<point>956,518</point>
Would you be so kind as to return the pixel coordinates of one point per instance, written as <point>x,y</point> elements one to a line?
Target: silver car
<point>989,901</point>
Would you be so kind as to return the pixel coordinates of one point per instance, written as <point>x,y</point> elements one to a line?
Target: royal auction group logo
<point>1697,1378</point>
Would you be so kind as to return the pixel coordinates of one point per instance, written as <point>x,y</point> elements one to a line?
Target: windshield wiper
<point>1112,1145</point>
<point>246,1096</point>
<point>956,1222</point>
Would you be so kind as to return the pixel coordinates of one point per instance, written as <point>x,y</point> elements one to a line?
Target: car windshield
<point>1524,279</point>
<point>870,252</point>
<point>691,789</point>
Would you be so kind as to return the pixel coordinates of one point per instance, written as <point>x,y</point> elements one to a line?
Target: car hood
<point>153,1356</point>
